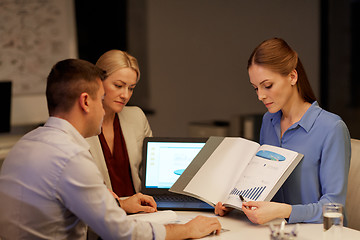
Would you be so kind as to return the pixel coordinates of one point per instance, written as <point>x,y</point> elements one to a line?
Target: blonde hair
<point>114,60</point>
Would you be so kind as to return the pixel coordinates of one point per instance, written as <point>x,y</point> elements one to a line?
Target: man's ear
<point>293,77</point>
<point>84,102</point>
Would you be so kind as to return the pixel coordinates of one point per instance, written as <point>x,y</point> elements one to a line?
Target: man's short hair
<point>67,80</point>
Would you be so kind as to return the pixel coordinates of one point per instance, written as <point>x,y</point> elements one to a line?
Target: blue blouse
<point>322,175</point>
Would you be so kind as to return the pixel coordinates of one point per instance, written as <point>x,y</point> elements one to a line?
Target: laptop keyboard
<point>175,198</point>
<point>180,202</point>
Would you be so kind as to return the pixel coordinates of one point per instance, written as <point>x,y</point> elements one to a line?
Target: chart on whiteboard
<point>34,35</point>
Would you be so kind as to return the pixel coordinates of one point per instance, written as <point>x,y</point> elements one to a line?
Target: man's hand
<point>138,203</point>
<point>196,228</point>
<point>202,226</point>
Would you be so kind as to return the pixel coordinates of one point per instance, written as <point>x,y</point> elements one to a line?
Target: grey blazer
<point>135,128</point>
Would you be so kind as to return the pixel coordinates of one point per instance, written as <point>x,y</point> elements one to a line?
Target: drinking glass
<point>332,220</point>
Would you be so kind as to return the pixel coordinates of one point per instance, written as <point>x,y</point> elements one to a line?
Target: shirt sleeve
<point>82,192</point>
<point>333,174</point>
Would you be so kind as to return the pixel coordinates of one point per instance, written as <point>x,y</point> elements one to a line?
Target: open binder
<point>228,167</point>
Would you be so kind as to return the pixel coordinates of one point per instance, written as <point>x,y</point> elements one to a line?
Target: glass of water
<point>333,220</point>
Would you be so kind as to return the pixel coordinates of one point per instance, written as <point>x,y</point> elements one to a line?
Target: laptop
<point>164,160</point>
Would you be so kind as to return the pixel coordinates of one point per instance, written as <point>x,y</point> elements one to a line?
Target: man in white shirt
<point>51,189</point>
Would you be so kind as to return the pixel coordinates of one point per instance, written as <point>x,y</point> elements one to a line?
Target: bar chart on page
<point>250,193</point>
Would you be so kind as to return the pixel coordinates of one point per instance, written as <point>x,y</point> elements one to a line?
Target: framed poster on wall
<point>34,35</point>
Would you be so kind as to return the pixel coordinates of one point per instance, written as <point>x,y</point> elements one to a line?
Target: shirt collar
<point>68,128</point>
<point>307,120</point>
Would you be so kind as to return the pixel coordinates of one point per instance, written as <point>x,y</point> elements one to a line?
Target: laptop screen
<point>166,159</point>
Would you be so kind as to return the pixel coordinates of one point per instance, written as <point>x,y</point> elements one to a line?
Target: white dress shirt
<point>50,189</point>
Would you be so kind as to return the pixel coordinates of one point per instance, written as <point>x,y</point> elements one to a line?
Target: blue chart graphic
<point>251,193</point>
<point>270,155</point>
<point>179,171</point>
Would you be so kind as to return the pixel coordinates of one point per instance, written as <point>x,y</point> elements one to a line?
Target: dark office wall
<point>355,53</point>
<point>197,53</point>
<point>115,24</point>
<point>5,105</point>
<point>101,26</point>
<point>341,62</point>
<point>192,54</point>
<point>137,38</point>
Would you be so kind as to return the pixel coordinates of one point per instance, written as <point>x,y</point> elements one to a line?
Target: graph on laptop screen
<point>167,160</point>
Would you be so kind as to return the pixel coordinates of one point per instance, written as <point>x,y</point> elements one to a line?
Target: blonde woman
<point>117,150</point>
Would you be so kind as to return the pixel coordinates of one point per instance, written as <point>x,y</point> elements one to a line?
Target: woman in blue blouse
<point>295,121</point>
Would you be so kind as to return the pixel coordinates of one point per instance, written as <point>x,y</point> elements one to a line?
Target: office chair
<point>353,190</point>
